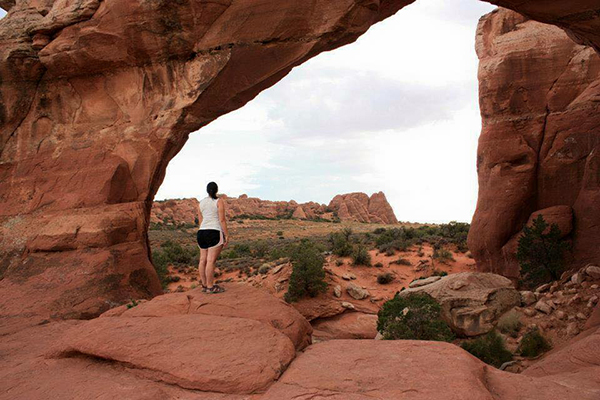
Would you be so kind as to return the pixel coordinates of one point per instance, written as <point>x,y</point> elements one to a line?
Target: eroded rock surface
<point>349,325</point>
<point>539,147</point>
<point>238,301</point>
<point>203,352</point>
<point>403,369</point>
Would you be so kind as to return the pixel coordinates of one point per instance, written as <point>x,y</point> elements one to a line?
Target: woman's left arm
<point>199,216</point>
<point>223,220</point>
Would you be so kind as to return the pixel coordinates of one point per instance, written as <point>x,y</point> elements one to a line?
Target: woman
<point>212,236</point>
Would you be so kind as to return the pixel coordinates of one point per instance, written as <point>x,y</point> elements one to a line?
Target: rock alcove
<point>97,96</point>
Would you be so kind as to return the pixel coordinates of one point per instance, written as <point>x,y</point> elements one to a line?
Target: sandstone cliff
<point>357,207</point>
<point>539,150</point>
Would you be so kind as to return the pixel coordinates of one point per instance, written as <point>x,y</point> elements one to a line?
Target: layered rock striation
<point>539,150</point>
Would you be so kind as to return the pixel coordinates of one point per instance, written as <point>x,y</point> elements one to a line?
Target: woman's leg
<point>213,254</point>
<point>202,266</point>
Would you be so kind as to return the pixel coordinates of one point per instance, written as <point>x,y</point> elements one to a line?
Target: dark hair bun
<point>212,189</point>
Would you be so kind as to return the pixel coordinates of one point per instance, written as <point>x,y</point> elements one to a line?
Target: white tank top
<point>210,214</point>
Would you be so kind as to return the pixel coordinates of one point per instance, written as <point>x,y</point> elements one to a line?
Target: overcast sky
<point>397,111</point>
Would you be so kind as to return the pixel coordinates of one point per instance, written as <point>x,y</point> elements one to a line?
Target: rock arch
<point>96,96</point>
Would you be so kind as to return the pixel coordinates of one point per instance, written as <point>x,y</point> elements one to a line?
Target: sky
<point>397,112</point>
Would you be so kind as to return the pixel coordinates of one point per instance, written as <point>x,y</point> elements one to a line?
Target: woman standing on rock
<point>212,236</point>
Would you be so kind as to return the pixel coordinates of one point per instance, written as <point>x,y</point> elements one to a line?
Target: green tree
<point>308,276</point>
<point>490,349</point>
<point>340,243</point>
<point>361,256</point>
<point>541,252</point>
<point>416,316</point>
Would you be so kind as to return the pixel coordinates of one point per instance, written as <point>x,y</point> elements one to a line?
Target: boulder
<point>405,369</point>
<point>349,325</point>
<point>593,271</point>
<point>422,282</point>
<point>199,352</point>
<point>238,300</point>
<point>321,306</point>
<point>543,306</point>
<point>528,298</point>
<point>471,302</point>
<point>577,278</point>
<point>356,292</point>
<point>337,291</point>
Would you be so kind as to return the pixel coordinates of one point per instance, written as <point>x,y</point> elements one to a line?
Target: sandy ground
<point>366,277</point>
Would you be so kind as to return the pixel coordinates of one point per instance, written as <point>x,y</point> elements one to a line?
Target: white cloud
<point>397,111</point>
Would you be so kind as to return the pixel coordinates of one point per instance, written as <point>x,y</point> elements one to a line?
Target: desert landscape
<point>99,290</point>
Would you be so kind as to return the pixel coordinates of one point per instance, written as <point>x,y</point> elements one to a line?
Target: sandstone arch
<point>96,96</point>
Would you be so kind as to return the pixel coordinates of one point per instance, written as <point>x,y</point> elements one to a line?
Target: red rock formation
<point>97,96</point>
<point>175,211</point>
<point>376,209</point>
<point>359,207</point>
<point>238,301</point>
<point>299,213</point>
<point>539,147</point>
<point>406,369</point>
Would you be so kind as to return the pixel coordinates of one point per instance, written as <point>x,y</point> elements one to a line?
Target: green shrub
<point>395,245</point>
<point>360,256</point>
<point>339,262</point>
<point>308,275</point>
<point>379,231</point>
<point>442,255</point>
<point>379,265</point>
<point>279,233</point>
<point>260,249</point>
<point>402,261</point>
<point>540,254</point>
<point>416,316</point>
<point>388,250</point>
<point>490,349</point>
<point>385,278</point>
<point>510,323</point>
<point>533,344</point>
<point>265,268</point>
<point>171,253</point>
<point>161,263</point>
<point>340,244</point>
<point>134,303</point>
<point>437,272</point>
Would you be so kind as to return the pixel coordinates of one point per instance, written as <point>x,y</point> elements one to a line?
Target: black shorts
<point>208,238</point>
